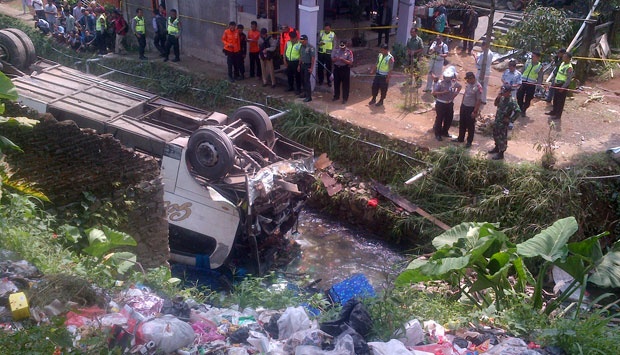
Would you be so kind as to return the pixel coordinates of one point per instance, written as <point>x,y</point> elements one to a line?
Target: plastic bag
<point>344,346</point>
<point>206,332</point>
<point>168,333</point>
<point>414,334</point>
<point>293,320</point>
<point>392,347</point>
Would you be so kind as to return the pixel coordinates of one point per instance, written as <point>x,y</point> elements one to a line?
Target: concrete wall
<point>63,161</point>
<point>202,22</point>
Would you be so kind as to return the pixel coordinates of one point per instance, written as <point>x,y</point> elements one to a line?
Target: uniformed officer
<point>174,32</point>
<point>382,71</point>
<point>291,60</point>
<point>532,76</point>
<point>507,111</point>
<point>327,38</point>
<point>139,30</point>
<point>307,60</point>
<point>560,85</point>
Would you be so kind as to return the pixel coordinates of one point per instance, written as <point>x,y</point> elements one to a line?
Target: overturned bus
<point>231,183</point>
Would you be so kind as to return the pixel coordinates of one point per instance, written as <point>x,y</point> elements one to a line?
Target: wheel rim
<point>207,154</point>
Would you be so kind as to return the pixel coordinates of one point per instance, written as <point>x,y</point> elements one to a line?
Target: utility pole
<point>483,70</point>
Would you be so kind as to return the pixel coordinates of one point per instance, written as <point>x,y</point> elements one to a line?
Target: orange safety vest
<point>231,42</point>
<point>285,37</point>
<point>254,36</point>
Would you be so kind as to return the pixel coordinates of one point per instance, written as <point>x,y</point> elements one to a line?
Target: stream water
<point>333,251</point>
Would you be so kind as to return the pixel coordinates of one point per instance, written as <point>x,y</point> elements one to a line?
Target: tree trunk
<point>582,66</point>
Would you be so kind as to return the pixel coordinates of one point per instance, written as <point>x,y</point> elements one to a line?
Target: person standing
<point>560,85</point>
<point>101,29</point>
<point>268,46</point>
<point>139,30</point>
<point>384,19</point>
<point>512,77</point>
<point>232,48</point>
<point>39,9</point>
<point>51,12</point>
<point>438,52</point>
<point>174,32</point>
<point>77,10</point>
<point>507,111</point>
<point>382,71</point>
<point>342,58</point>
<point>556,63</point>
<point>286,36</point>
<point>470,107</point>
<point>444,92</point>
<point>441,20</point>
<point>243,42</point>
<point>161,32</point>
<point>415,47</point>
<point>327,38</point>
<point>292,52</point>
<point>468,30</point>
<point>307,61</point>
<point>120,28</point>
<point>532,77</point>
<point>479,59</point>
<point>253,37</point>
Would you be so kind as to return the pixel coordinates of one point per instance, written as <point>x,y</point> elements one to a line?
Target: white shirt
<point>489,61</point>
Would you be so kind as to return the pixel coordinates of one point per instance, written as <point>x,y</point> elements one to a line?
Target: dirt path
<point>585,127</point>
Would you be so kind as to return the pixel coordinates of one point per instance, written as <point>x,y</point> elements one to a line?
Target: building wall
<point>202,22</point>
<point>63,161</point>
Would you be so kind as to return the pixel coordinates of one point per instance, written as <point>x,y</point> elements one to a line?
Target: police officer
<point>343,59</point>
<point>307,60</point>
<point>382,71</point>
<point>560,85</point>
<point>139,30</point>
<point>507,111</point>
<point>101,28</point>
<point>291,60</point>
<point>327,38</point>
<point>174,32</point>
<point>531,77</point>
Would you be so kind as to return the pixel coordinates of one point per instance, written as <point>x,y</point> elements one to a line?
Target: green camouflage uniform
<point>507,107</point>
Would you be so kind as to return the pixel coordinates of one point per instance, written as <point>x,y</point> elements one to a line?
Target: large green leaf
<point>465,234</point>
<point>118,238</point>
<point>408,277</point>
<point>122,261</point>
<point>589,248</point>
<point>550,244</point>
<point>7,88</point>
<point>438,268</point>
<point>98,243</point>
<point>607,272</point>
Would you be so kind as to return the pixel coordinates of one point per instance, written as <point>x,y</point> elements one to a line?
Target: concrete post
<point>405,20</point>
<point>308,22</point>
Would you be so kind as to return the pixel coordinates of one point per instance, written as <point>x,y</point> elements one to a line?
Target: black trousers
<point>141,45</point>
<point>305,74</point>
<point>525,94</point>
<point>293,76</point>
<point>172,42</point>
<point>255,65</point>
<point>467,123</point>
<point>101,40</point>
<point>325,59</point>
<point>383,32</point>
<point>342,76</point>
<point>160,43</point>
<point>379,83</point>
<point>559,98</point>
<point>443,120</point>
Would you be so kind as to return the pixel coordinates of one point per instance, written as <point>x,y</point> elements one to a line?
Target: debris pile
<point>139,321</point>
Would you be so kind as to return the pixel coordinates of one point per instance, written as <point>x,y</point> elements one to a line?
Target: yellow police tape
<point>390,27</point>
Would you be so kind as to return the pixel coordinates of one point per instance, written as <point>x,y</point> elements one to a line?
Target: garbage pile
<point>139,321</point>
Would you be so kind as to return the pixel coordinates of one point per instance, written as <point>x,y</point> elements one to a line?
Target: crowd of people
<point>267,50</point>
<point>95,28</point>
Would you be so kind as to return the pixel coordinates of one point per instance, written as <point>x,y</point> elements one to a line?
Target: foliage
<point>399,51</point>
<point>480,249</point>
<point>547,147</point>
<point>543,29</point>
<point>36,338</point>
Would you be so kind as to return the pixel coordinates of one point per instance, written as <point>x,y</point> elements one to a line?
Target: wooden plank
<point>407,205</point>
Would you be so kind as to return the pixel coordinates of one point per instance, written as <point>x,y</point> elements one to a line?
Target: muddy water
<point>332,251</point>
